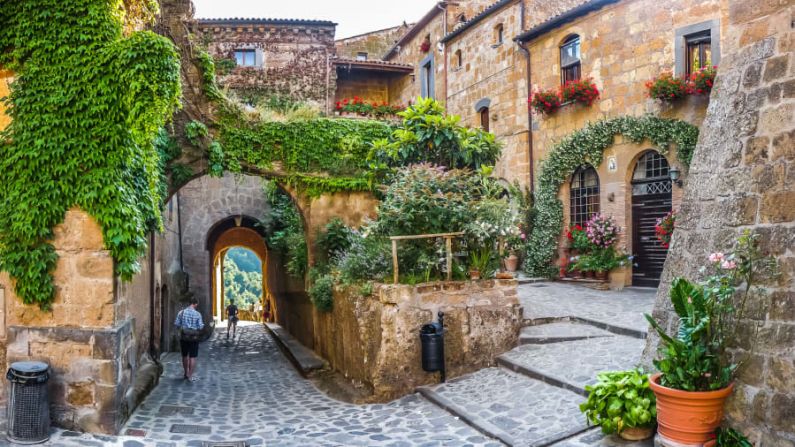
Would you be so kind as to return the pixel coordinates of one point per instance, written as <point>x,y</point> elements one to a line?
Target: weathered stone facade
<point>742,177</point>
<point>292,58</point>
<point>372,45</point>
<point>374,340</point>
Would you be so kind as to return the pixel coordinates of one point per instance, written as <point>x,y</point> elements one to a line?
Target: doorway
<point>651,200</point>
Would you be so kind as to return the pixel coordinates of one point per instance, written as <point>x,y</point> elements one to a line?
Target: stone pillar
<point>743,177</point>
<point>80,338</point>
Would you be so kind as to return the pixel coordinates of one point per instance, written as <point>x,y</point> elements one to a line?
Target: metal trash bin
<point>432,342</point>
<point>28,404</point>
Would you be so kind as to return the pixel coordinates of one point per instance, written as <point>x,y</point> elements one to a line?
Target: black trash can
<point>432,340</point>
<point>28,404</point>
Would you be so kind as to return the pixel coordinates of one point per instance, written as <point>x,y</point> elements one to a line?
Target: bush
<point>367,258</point>
<point>620,400</point>
<point>321,293</point>
<point>285,230</point>
<point>334,239</point>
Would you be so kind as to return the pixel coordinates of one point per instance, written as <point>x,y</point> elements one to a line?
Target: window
<point>651,175</point>
<point>699,52</point>
<point>484,118</point>
<point>584,195</point>
<point>498,34</point>
<point>459,59</point>
<point>246,58</point>
<point>461,18</point>
<point>361,56</point>
<point>570,59</point>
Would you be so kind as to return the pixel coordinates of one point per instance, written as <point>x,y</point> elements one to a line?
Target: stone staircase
<point>532,397</point>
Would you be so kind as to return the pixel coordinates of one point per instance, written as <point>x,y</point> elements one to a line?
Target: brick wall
<point>742,178</point>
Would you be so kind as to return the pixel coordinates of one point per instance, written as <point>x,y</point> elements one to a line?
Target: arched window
<point>459,59</point>
<point>570,59</point>
<point>651,175</point>
<point>484,118</point>
<point>584,194</point>
<point>498,34</point>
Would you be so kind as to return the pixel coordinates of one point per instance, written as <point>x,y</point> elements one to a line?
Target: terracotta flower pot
<point>474,275</point>
<point>589,275</point>
<point>575,274</point>
<point>637,433</point>
<point>688,417</point>
<point>602,276</point>
<point>511,262</point>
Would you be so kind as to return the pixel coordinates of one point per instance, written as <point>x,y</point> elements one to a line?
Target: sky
<point>352,16</point>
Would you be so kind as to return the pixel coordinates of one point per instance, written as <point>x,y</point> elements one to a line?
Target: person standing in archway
<point>231,315</point>
<point>190,324</point>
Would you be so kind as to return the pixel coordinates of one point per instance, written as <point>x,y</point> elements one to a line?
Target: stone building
<point>371,45</point>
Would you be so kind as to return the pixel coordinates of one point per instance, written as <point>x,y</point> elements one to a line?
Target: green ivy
<point>207,67</point>
<point>85,108</point>
<point>586,146</point>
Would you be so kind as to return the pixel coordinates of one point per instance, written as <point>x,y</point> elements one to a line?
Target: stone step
<point>303,358</point>
<point>517,410</point>
<point>573,364</point>
<point>558,332</point>
<point>595,437</point>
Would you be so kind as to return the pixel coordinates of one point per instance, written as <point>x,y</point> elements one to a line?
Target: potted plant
<point>585,265</point>
<point>578,239</point>
<point>665,228</point>
<point>545,101</point>
<point>513,244</point>
<point>606,259</point>
<point>667,88</point>
<point>621,402</point>
<point>481,263</point>
<point>696,373</point>
<point>583,91</point>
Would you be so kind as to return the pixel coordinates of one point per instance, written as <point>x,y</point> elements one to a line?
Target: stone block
<point>782,412</point>
<point>752,75</point>
<point>97,264</point>
<point>776,68</point>
<point>781,377</point>
<point>756,150</point>
<point>776,119</point>
<point>78,231</point>
<point>784,146</point>
<point>80,394</point>
<point>777,207</point>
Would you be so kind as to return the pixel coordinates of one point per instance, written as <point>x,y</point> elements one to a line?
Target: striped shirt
<point>189,318</point>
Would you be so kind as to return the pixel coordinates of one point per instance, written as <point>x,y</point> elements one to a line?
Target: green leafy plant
<point>583,91</point>
<point>321,293</point>
<point>667,88</point>
<point>195,131</point>
<point>334,239</point>
<point>225,65</point>
<point>367,258</point>
<point>86,106</point>
<point>729,437</point>
<point>695,359</point>
<point>285,229</point>
<point>545,101</point>
<point>701,81</point>
<point>586,146</point>
<point>578,239</point>
<point>620,400</point>
<point>484,261</point>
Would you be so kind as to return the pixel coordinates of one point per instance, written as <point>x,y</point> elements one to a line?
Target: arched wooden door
<point>651,200</point>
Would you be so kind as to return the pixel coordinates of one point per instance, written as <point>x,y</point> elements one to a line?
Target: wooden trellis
<point>448,237</point>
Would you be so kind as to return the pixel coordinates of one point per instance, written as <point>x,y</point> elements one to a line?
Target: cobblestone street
<point>248,391</point>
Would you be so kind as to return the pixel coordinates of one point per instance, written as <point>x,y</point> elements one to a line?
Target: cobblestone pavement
<point>557,332</point>
<point>249,391</point>
<point>592,356</point>
<point>617,308</point>
<point>525,410</point>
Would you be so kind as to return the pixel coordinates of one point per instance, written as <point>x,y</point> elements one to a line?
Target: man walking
<point>231,315</point>
<point>189,322</point>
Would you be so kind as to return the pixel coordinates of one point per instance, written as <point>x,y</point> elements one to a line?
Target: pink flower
<point>728,265</point>
<point>523,236</point>
<point>716,257</point>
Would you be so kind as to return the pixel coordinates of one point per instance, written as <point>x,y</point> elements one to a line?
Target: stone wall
<point>371,87</point>
<point>91,345</point>
<point>375,43</point>
<point>406,89</point>
<point>743,177</point>
<point>374,341</point>
<point>293,57</point>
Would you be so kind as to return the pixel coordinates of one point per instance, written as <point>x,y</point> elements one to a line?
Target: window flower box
<point>583,91</point>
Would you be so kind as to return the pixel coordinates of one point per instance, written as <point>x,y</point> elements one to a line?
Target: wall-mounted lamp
<point>675,175</point>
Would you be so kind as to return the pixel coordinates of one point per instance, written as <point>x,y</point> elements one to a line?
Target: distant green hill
<point>242,277</point>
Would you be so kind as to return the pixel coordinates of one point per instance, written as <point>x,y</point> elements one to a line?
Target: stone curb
<point>618,330</point>
<point>304,359</point>
<point>549,340</point>
<point>532,373</point>
<point>475,422</point>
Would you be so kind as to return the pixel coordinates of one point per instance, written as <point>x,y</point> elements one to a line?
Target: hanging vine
<point>586,146</point>
<point>85,108</point>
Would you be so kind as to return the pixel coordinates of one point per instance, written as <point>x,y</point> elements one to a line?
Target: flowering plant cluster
<point>668,88</point>
<point>702,80</point>
<point>547,101</point>
<point>578,238</point>
<point>425,46</point>
<point>710,315</point>
<point>602,231</point>
<point>583,91</point>
<point>665,228</point>
<point>359,106</point>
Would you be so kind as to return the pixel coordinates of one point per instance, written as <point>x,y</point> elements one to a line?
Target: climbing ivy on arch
<point>85,107</point>
<point>586,146</point>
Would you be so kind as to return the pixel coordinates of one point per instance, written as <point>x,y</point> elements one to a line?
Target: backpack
<point>186,334</point>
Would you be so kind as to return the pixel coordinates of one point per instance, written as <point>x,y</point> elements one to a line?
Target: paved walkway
<point>249,392</point>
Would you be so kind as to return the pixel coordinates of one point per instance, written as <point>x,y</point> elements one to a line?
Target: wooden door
<point>651,200</point>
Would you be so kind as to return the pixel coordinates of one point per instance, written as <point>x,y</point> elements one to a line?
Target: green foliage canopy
<point>86,106</point>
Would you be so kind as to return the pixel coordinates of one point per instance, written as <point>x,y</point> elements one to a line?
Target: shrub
<point>367,258</point>
<point>578,238</point>
<point>285,230</point>
<point>667,88</point>
<point>546,101</point>
<point>322,293</point>
<point>620,400</point>
<point>334,239</point>
<point>583,91</point>
<point>701,81</point>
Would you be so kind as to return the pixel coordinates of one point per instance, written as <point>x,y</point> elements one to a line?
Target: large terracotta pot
<point>688,417</point>
<point>511,262</point>
<point>602,276</point>
<point>589,275</point>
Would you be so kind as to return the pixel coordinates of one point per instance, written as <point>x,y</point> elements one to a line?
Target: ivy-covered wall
<point>85,106</point>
